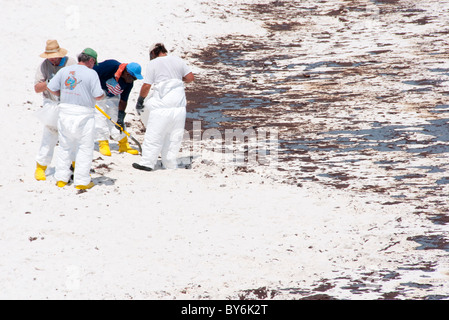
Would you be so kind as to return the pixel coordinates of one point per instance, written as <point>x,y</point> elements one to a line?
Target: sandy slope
<point>211,232</point>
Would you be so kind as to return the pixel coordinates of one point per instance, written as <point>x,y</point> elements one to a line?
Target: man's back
<point>77,84</point>
<point>165,68</point>
<point>106,71</point>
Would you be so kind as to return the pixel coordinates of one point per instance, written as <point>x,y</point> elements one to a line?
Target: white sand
<point>207,233</point>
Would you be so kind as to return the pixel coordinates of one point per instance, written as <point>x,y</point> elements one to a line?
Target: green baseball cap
<point>91,53</point>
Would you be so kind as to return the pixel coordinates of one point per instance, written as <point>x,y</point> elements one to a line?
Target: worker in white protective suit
<point>79,88</point>
<point>166,105</point>
<point>55,59</point>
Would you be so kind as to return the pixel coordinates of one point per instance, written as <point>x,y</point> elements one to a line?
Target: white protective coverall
<point>165,126</point>
<point>76,125</point>
<point>104,127</point>
<point>48,115</point>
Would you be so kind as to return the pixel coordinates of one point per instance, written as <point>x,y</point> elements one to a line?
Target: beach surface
<point>350,202</point>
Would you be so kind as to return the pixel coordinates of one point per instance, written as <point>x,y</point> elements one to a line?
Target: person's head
<point>55,61</point>
<point>88,57</point>
<point>53,52</point>
<point>132,72</point>
<point>157,49</point>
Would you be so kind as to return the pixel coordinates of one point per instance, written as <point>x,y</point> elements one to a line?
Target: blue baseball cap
<point>134,69</point>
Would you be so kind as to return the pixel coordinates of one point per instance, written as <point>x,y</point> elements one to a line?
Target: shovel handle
<point>119,126</point>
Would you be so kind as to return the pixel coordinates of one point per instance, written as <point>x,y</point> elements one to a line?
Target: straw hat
<point>52,50</point>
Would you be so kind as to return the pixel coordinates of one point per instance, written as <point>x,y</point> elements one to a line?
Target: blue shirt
<point>106,71</point>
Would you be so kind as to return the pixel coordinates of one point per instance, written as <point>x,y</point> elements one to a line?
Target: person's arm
<point>40,87</point>
<point>122,105</point>
<point>97,91</point>
<point>53,86</point>
<point>56,93</point>
<point>142,95</point>
<point>145,90</point>
<point>188,77</point>
<point>121,113</point>
<point>40,81</point>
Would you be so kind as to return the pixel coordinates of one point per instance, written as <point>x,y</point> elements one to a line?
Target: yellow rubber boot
<point>125,147</point>
<point>104,148</point>
<point>81,187</point>
<point>61,184</point>
<point>39,174</point>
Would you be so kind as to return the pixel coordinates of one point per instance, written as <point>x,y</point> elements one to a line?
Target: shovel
<point>120,127</point>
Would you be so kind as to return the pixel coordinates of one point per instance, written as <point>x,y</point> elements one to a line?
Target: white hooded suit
<point>105,128</point>
<point>79,87</point>
<point>48,115</point>
<point>166,110</point>
<point>165,126</point>
<point>76,126</point>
